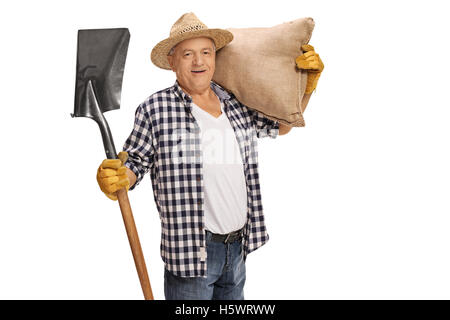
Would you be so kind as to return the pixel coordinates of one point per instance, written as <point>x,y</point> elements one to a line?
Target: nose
<point>198,60</point>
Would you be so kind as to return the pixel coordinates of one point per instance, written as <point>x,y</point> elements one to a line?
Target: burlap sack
<point>258,67</point>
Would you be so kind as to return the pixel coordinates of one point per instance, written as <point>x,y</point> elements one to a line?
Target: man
<point>198,142</point>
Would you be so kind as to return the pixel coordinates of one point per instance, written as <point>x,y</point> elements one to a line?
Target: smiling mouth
<point>200,71</point>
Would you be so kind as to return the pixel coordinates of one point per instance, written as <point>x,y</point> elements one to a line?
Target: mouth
<point>198,71</point>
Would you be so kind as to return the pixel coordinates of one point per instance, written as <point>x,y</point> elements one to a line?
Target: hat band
<point>191,28</point>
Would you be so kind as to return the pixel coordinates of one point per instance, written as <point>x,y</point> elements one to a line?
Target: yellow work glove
<point>111,175</point>
<point>311,62</point>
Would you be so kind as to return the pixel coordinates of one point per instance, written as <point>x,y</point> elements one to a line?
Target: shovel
<point>101,56</point>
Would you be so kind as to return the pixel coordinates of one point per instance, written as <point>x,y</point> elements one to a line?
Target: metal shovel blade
<point>101,56</point>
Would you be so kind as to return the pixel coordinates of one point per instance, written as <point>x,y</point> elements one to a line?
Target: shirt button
<point>198,178</point>
<point>199,201</point>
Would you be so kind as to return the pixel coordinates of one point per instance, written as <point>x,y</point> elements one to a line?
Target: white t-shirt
<point>225,188</point>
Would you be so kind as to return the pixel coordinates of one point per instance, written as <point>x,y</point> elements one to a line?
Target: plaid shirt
<point>165,140</point>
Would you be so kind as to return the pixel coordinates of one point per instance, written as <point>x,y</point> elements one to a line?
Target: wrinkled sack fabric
<point>258,67</point>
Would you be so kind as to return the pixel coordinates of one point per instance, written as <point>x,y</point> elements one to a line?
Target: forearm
<point>131,176</point>
<point>283,129</point>
<point>305,101</point>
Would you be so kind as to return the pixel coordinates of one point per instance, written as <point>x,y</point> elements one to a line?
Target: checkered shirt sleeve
<point>264,126</point>
<point>139,146</point>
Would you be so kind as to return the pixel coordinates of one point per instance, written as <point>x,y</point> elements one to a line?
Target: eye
<point>187,54</point>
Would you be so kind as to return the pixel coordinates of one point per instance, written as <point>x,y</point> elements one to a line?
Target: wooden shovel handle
<point>135,245</point>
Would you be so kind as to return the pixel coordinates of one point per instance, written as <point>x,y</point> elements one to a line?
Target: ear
<point>170,60</point>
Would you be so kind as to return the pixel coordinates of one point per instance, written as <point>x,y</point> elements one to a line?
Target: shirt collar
<point>218,90</point>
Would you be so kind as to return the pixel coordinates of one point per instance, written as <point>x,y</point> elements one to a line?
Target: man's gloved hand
<point>311,62</point>
<point>111,175</point>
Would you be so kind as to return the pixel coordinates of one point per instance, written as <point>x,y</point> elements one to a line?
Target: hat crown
<point>186,23</point>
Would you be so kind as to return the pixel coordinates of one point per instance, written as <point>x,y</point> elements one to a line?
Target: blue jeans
<point>225,277</point>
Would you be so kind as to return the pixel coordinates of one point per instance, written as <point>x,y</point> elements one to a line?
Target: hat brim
<point>159,53</point>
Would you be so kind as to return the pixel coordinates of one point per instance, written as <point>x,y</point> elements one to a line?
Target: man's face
<point>194,62</point>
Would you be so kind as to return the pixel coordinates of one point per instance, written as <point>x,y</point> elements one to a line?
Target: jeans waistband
<point>227,238</point>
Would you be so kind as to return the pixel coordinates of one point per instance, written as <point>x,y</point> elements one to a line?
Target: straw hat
<point>188,26</point>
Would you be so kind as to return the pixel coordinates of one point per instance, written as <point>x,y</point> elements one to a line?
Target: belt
<point>226,238</point>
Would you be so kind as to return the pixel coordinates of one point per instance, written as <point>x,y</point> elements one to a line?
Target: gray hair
<point>172,51</point>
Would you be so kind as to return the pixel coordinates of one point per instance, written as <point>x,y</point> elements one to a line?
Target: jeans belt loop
<point>228,237</point>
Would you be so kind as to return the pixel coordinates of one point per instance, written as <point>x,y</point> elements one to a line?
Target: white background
<point>356,203</point>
